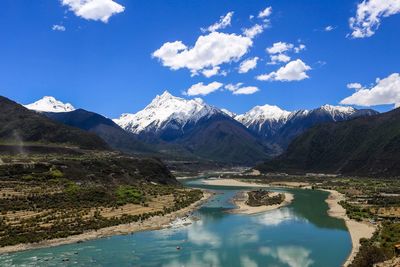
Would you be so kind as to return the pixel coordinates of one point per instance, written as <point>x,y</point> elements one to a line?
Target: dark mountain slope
<point>221,138</point>
<point>299,123</point>
<point>367,146</point>
<point>109,131</point>
<point>18,124</point>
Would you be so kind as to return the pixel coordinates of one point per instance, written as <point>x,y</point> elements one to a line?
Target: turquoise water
<point>298,235</point>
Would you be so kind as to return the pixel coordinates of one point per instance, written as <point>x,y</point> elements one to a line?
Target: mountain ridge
<point>364,146</point>
<point>105,128</point>
<point>176,125</point>
<point>21,125</point>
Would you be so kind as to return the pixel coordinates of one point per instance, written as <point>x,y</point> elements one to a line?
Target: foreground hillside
<point>105,128</point>
<point>368,146</point>
<point>47,196</point>
<point>20,125</point>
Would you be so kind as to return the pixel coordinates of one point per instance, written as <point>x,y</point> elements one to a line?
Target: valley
<point>78,176</point>
<point>199,133</point>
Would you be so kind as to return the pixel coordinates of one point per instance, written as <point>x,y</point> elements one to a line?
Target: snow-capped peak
<point>229,113</point>
<point>50,104</point>
<point>264,113</point>
<point>163,109</point>
<point>164,96</point>
<point>337,109</point>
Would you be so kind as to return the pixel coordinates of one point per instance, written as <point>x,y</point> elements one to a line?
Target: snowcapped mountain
<point>337,113</point>
<point>263,119</point>
<point>194,127</point>
<point>280,127</point>
<point>50,104</point>
<point>229,113</point>
<point>166,111</point>
<point>262,114</point>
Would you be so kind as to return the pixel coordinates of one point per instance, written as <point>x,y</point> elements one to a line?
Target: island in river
<point>256,201</point>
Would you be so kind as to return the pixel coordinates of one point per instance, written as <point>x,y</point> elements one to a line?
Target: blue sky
<point>107,67</point>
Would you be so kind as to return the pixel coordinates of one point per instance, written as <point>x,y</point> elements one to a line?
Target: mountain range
<point>280,127</point>
<point>195,129</point>
<point>365,146</point>
<point>202,130</point>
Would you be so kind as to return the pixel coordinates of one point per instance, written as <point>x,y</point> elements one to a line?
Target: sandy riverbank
<point>154,223</point>
<point>356,229</point>
<point>292,184</point>
<point>232,182</point>
<point>242,183</point>
<point>242,208</point>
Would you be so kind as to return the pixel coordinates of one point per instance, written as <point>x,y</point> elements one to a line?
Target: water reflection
<point>276,217</point>
<point>314,209</point>
<point>199,235</point>
<point>293,256</point>
<point>209,258</point>
<point>246,261</point>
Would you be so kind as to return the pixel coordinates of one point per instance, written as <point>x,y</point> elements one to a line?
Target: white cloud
<point>279,47</point>
<point>203,89</point>
<point>94,9</point>
<point>60,28</point>
<point>279,58</point>
<point>282,47</point>
<point>265,13</point>
<point>384,92</point>
<point>208,52</point>
<point>329,28</point>
<point>223,22</point>
<point>299,48</point>
<point>210,72</point>
<point>247,90</point>
<point>355,86</point>
<point>253,31</point>
<point>369,14</point>
<point>293,71</point>
<point>248,64</point>
<point>233,87</point>
<point>237,89</point>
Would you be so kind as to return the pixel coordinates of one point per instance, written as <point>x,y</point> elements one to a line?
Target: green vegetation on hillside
<point>380,247</point>
<point>46,196</point>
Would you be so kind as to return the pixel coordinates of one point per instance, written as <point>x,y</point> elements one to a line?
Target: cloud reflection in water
<point>294,256</point>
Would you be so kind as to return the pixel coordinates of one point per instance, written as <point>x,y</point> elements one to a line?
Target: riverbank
<point>232,182</point>
<point>356,229</point>
<point>242,208</point>
<point>153,223</point>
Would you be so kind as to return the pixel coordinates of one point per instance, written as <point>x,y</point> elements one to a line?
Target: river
<point>298,235</point>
